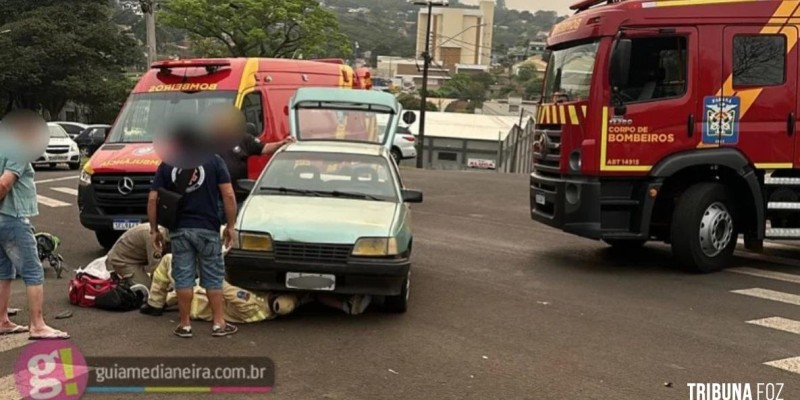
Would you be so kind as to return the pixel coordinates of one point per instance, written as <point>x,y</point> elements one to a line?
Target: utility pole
<point>427,58</point>
<point>149,10</point>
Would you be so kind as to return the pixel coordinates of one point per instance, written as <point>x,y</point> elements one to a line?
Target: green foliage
<point>469,87</point>
<point>61,50</point>
<point>265,28</point>
<point>412,102</point>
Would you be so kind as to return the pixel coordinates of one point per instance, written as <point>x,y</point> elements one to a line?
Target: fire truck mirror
<point>620,63</point>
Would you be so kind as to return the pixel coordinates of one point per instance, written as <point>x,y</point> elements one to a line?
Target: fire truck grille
<point>115,195</point>
<point>309,252</point>
<point>547,152</point>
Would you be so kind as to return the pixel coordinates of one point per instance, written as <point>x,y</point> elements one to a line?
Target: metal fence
<point>515,150</point>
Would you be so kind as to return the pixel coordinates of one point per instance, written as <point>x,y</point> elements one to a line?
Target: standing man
<point>232,127</point>
<point>17,243</point>
<point>195,241</point>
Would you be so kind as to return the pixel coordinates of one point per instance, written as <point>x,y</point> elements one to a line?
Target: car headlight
<point>254,242</point>
<point>86,175</point>
<point>375,247</point>
<point>73,147</point>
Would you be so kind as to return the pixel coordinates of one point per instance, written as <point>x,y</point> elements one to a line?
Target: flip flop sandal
<point>13,311</point>
<point>55,335</point>
<point>15,330</point>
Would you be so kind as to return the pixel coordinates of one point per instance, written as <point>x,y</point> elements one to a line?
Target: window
<point>658,69</point>
<point>759,60</point>
<point>253,110</point>
<point>447,156</point>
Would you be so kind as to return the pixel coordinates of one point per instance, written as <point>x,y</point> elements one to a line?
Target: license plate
<point>124,225</point>
<point>58,158</point>
<point>540,199</point>
<point>304,281</point>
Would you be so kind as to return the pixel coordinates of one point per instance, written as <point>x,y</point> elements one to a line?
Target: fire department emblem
<point>721,124</point>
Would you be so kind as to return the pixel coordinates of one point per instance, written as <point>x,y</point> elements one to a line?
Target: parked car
<point>405,145</point>
<point>92,138</point>
<point>330,212</point>
<point>61,149</point>
<point>73,128</point>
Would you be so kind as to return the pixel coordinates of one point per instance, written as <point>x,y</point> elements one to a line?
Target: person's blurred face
<point>24,136</point>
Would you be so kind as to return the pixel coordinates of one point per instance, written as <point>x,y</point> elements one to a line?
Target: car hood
<point>317,219</point>
<point>125,157</point>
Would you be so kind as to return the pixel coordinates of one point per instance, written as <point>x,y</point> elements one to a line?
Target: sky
<point>561,6</point>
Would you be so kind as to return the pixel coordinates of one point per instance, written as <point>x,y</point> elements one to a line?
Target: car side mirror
<point>412,196</point>
<point>251,129</point>
<point>409,117</point>
<point>246,184</point>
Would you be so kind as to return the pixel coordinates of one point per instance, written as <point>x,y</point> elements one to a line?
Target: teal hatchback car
<point>330,213</point>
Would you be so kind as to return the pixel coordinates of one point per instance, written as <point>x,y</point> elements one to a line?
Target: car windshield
<point>348,122</point>
<point>145,112</point>
<point>340,175</point>
<point>569,72</point>
<point>57,132</point>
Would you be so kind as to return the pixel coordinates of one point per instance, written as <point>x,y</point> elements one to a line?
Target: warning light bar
<point>211,65</point>
<point>337,61</point>
<point>586,4</point>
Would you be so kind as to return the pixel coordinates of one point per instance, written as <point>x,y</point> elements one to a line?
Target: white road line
<point>11,342</point>
<point>70,191</point>
<point>51,202</point>
<point>770,295</point>
<point>787,364</point>
<point>778,323</point>
<point>66,178</point>
<point>762,273</point>
<point>768,258</point>
<point>8,388</point>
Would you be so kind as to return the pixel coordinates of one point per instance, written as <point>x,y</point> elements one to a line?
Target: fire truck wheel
<point>625,244</point>
<point>107,238</point>
<point>703,228</point>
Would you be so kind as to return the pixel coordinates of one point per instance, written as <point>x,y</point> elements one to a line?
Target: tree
<point>412,102</point>
<point>60,50</point>
<point>467,87</point>
<point>260,28</point>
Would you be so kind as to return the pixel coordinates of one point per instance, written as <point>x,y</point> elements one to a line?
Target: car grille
<point>57,150</point>
<point>547,152</point>
<point>111,201</point>
<point>308,252</point>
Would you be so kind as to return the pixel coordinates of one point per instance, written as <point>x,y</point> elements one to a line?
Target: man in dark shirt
<point>195,239</point>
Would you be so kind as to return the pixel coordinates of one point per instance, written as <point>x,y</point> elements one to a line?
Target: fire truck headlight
<point>575,161</point>
<point>86,175</point>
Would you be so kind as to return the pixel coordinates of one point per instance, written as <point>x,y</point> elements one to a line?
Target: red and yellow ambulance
<point>115,183</point>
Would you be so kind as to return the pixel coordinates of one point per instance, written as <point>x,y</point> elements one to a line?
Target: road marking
<point>778,323</point>
<point>57,179</point>
<point>51,202</point>
<point>762,273</point>
<point>770,295</point>
<point>787,364</point>
<point>11,342</point>
<point>768,258</point>
<point>8,388</point>
<point>69,191</point>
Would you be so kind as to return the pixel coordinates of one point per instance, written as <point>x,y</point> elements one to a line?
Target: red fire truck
<point>672,120</point>
<point>114,184</point>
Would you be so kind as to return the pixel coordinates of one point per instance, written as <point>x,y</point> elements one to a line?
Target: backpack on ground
<point>122,297</point>
<point>84,289</point>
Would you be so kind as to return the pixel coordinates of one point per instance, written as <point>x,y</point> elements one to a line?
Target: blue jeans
<point>197,249</point>
<point>18,251</point>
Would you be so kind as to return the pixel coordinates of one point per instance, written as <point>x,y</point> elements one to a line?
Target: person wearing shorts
<point>18,252</point>
<point>195,241</point>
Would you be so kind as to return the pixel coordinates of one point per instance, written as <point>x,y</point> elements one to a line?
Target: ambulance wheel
<point>704,228</point>
<point>625,243</point>
<point>107,239</point>
<point>74,166</point>
<point>399,304</point>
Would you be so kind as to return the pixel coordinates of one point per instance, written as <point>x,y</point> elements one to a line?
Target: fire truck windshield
<point>569,72</point>
<point>145,112</point>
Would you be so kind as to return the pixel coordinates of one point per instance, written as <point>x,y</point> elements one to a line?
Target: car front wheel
<point>397,155</point>
<point>399,304</point>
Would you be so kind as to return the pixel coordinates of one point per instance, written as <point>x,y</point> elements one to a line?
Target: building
<point>409,71</point>
<point>458,35</point>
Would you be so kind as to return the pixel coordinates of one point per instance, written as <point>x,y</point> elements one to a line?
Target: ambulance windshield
<point>145,112</point>
<point>569,73</point>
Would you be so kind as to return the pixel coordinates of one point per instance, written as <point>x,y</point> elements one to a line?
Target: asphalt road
<point>501,308</point>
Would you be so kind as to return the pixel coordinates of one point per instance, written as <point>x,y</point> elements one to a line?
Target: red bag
<point>83,289</point>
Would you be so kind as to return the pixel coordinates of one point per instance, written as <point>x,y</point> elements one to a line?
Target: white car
<point>404,146</point>
<point>60,149</point>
